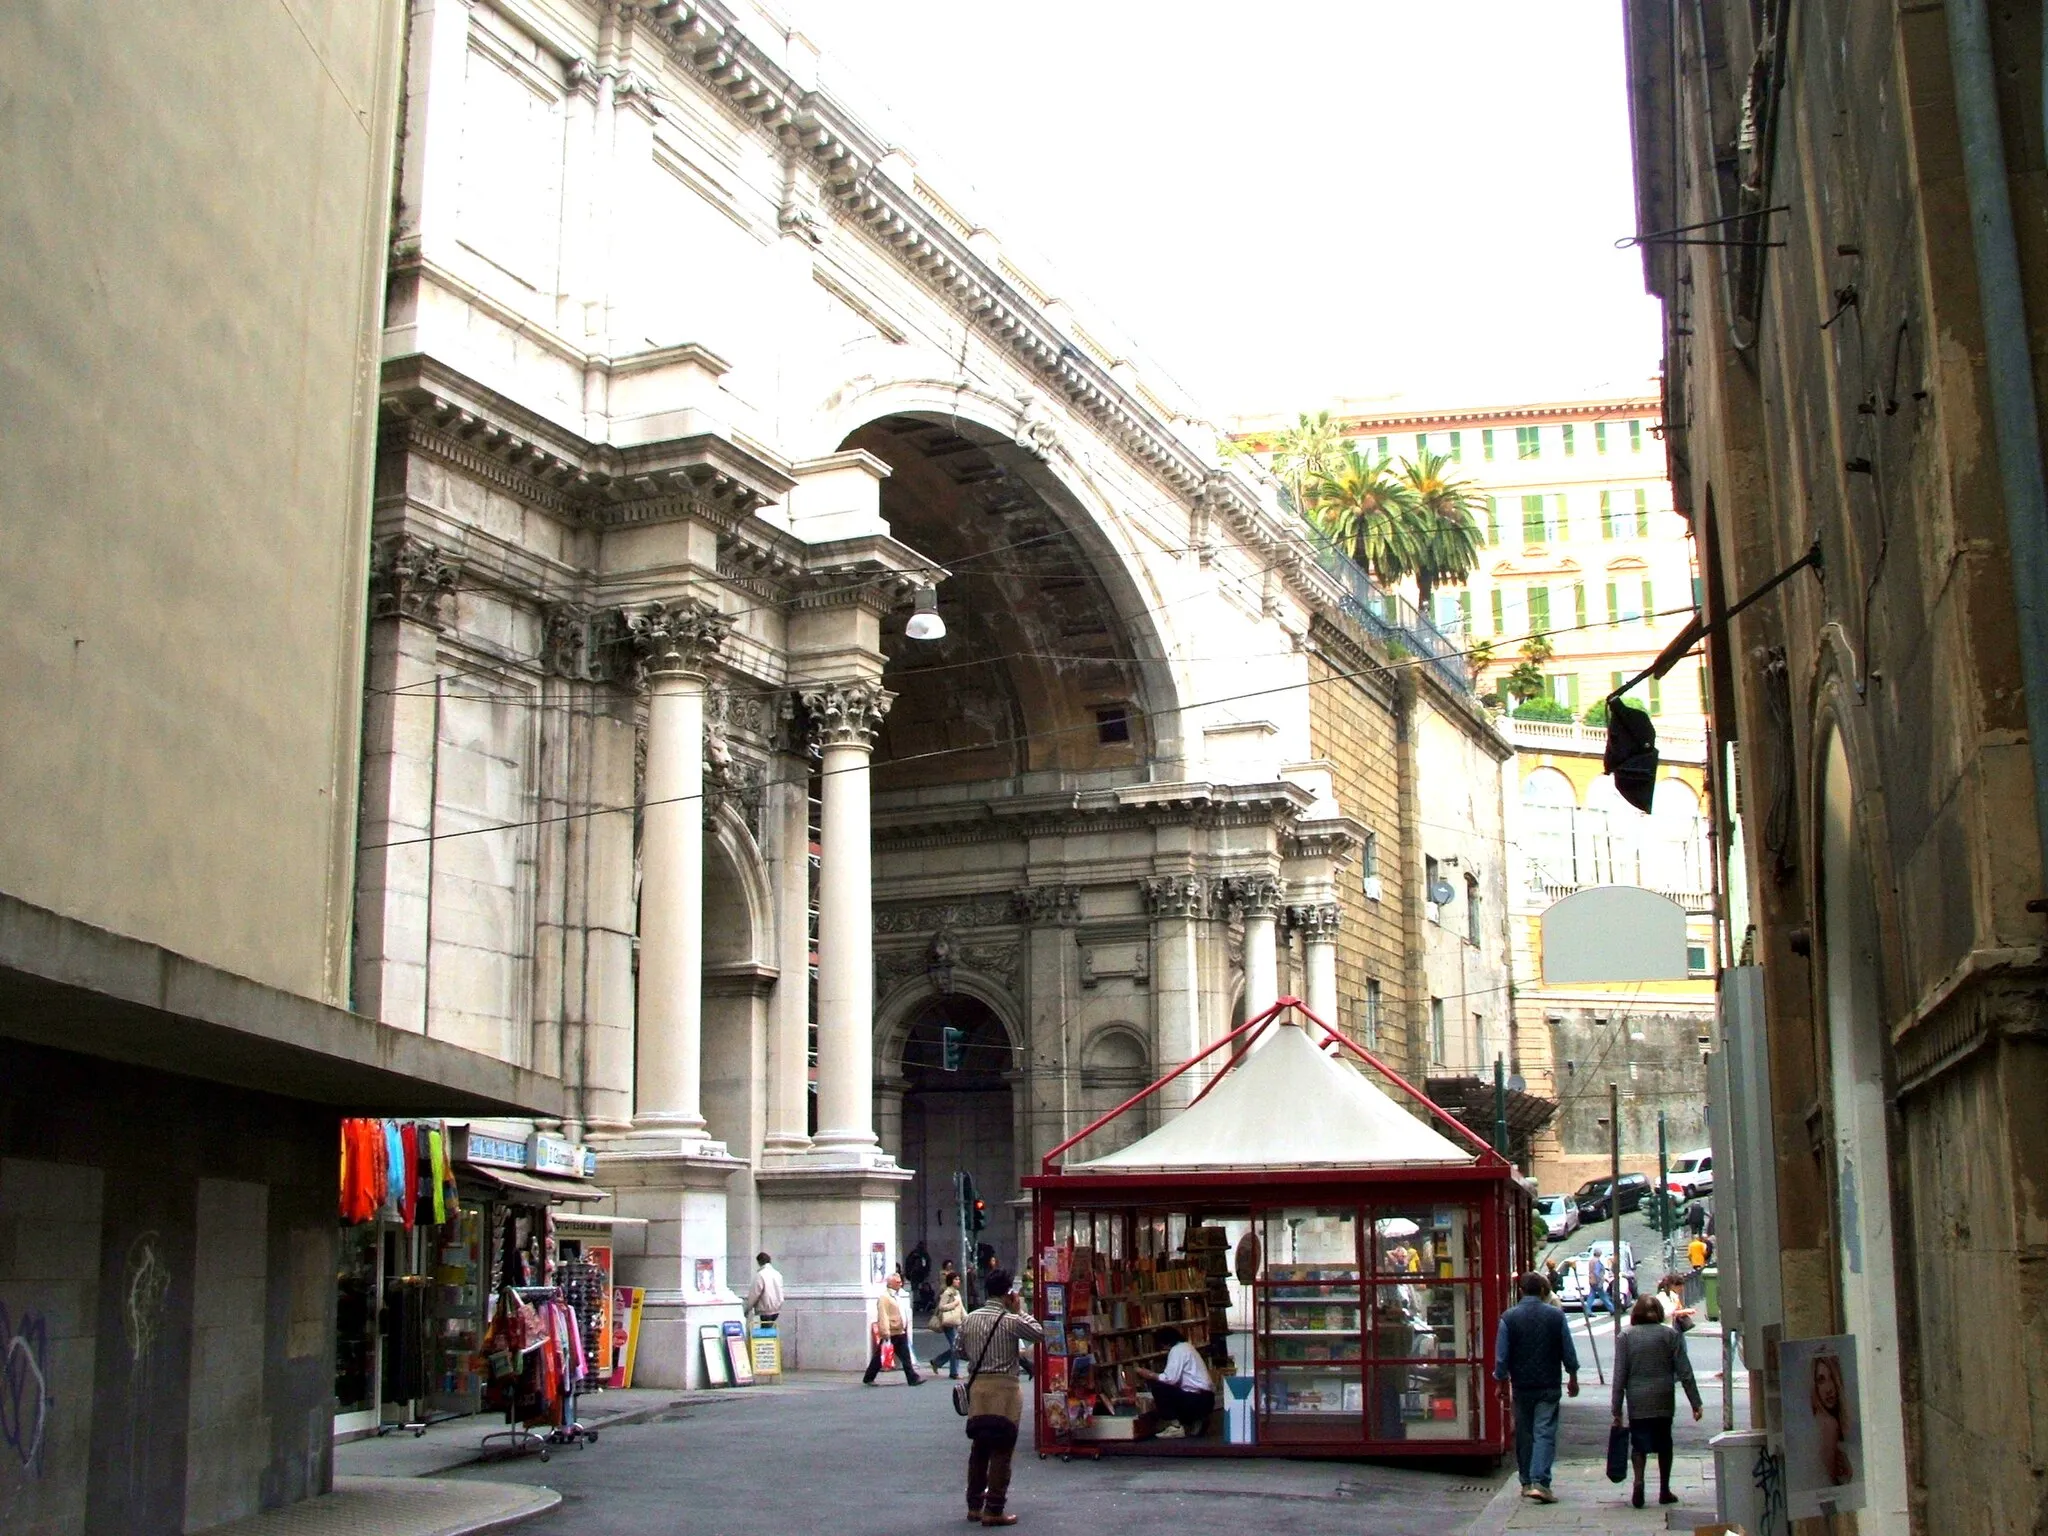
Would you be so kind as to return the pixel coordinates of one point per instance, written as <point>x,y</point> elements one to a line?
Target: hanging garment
<point>362,1157</point>
<point>409,1160</point>
<point>451,1201</point>
<point>391,1154</point>
<point>437,1164</point>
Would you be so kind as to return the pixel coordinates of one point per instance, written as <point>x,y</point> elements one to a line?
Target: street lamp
<point>925,623</point>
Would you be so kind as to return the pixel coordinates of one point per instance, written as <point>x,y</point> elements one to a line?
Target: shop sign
<point>495,1151</point>
<point>554,1154</point>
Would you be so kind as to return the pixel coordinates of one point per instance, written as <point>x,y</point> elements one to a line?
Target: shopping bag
<point>888,1354</point>
<point>1617,1454</point>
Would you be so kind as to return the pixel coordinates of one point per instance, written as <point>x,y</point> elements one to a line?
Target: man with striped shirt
<point>995,1397</point>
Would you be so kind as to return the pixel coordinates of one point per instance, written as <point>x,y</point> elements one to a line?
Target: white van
<point>1692,1175</point>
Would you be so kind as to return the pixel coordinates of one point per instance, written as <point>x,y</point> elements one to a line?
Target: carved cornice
<point>998,962</point>
<point>1178,895</point>
<point>675,639</point>
<point>845,714</point>
<point>928,917</point>
<point>409,580</point>
<point>432,409</point>
<point>1049,904</point>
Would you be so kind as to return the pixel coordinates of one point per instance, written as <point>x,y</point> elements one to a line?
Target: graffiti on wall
<point>25,1400</point>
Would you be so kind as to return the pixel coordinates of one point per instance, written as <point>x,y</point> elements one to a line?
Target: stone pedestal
<point>833,1234</point>
<point>680,1193</point>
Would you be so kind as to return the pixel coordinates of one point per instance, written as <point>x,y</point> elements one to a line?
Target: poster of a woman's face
<point>1823,1425</point>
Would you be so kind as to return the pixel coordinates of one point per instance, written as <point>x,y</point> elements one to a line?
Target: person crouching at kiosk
<point>1181,1391</point>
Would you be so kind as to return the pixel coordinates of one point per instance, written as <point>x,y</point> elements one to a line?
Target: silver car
<point>1560,1215</point>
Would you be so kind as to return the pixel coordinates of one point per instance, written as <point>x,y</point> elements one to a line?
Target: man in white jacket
<point>764,1296</point>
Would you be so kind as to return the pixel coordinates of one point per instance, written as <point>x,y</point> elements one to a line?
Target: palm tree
<point>1444,533</point>
<point>1362,505</point>
<point>1307,452</point>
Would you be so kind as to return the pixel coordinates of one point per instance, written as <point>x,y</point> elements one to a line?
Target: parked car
<point>1593,1202</point>
<point>1560,1215</point>
<point>1571,1290</point>
<point>1692,1175</point>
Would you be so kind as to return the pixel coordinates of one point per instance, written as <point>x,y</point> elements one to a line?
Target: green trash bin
<point>1713,1278</point>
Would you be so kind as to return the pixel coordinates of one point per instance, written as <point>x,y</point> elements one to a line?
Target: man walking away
<point>995,1398</point>
<point>892,1323</point>
<point>764,1296</point>
<point>1533,1347</point>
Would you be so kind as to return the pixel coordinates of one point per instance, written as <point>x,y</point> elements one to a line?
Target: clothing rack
<point>520,1438</point>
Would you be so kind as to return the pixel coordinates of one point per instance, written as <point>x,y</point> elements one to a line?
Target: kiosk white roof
<point>1287,1105</point>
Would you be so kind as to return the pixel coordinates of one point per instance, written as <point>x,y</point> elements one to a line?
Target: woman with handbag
<point>950,1313</point>
<point>1650,1363</point>
<point>992,1397</point>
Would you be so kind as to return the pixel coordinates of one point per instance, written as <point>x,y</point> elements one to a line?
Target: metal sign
<point>1613,933</point>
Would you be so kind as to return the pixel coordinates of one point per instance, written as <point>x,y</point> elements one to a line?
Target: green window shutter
<point>1614,605</point>
<point>1642,514</point>
<point>1457,447</point>
<point>1656,696</point>
<point>1493,520</point>
<point>1532,519</point>
<point>1486,444</point>
<point>1649,603</point>
<point>1539,608</point>
<point>1579,605</point>
<point>1571,691</point>
<point>1380,447</point>
<point>1500,622</point>
<point>1528,445</point>
<point>1607,514</point>
<point>1564,518</point>
<point>1465,610</point>
<point>1615,680</point>
<point>1569,448</point>
<point>1635,436</point>
<point>1706,703</point>
<point>1421,444</point>
<point>1599,437</point>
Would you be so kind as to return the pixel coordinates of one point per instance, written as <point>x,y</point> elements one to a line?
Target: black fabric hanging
<point>1631,753</point>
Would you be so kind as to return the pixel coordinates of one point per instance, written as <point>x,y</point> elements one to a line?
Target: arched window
<point>1549,808</point>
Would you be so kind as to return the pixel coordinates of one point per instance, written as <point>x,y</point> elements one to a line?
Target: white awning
<point>1287,1105</point>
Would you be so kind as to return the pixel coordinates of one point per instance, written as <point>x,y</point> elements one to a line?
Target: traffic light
<point>980,1217</point>
<point>952,1047</point>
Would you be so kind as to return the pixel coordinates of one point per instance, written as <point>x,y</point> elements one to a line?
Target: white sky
<point>1283,202</point>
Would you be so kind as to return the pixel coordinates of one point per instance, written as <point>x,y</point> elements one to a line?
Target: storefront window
<point>1310,1330</point>
<point>355,1331</point>
<point>1427,1313</point>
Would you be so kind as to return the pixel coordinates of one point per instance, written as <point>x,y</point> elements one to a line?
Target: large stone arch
<point>1084,508</point>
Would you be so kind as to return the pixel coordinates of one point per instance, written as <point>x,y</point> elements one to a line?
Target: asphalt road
<point>891,1460</point>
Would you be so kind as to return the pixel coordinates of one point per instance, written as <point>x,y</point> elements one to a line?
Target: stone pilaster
<point>1179,904</point>
<point>1257,897</point>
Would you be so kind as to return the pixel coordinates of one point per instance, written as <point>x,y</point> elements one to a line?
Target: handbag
<point>962,1388</point>
<point>1617,1454</point>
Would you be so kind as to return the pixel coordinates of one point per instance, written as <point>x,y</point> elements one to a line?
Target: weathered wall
<point>166,1299</point>
<point>1653,1056</point>
<point>186,391</point>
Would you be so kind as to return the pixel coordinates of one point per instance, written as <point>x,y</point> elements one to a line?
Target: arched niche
<point>739,982</point>
<point>1116,1062</point>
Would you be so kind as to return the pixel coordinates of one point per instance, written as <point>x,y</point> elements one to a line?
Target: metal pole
<point>1500,1107</point>
<point>1614,1204</point>
<point>1663,1182</point>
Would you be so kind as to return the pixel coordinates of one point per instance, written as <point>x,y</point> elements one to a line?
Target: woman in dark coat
<point>1650,1364</point>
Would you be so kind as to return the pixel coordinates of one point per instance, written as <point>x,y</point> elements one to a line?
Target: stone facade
<point>1854,369</point>
<point>690,387</point>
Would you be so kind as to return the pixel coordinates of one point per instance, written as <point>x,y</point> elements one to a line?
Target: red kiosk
<point>1341,1263</point>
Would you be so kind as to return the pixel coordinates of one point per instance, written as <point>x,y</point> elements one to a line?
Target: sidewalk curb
<point>1500,1509</point>
<point>545,1501</point>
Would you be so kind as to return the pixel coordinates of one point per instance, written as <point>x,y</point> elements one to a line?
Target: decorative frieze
<point>1049,904</point>
<point>966,912</point>
<point>997,962</point>
<point>675,639</point>
<point>409,580</point>
<point>845,714</point>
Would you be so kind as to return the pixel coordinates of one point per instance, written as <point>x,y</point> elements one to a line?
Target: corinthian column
<point>1318,925</point>
<point>844,718</point>
<point>1259,898</point>
<point>675,642</point>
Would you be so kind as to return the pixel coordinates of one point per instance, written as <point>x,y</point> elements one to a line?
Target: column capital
<point>409,579</point>
<point>1253,895</point>
<point>845,714</point>
<point>675,639</point>
<point>1317,923</point>
<point>1059,904</point>
<point>1177,895</point>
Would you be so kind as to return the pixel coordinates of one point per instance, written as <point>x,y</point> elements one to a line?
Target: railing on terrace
<point>1576,736</point>
<point>1393,618</point>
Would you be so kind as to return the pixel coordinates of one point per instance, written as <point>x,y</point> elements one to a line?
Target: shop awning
<point>512,1183</point>
<point>1287,1105</point>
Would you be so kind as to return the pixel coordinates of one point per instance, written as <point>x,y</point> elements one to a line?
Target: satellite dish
<point>1518,1084</point>
<point>1441,893</point>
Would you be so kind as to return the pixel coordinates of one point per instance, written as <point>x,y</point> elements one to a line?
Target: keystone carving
<point>1037,433</point>
<point>409,580</point>
<point>675,639</point>
<point>845,714</point>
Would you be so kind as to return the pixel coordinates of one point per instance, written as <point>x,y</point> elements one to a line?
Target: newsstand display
<point>1339,1263</point>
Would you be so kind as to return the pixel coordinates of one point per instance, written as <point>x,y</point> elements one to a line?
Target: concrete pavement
<point>401,1506</point>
